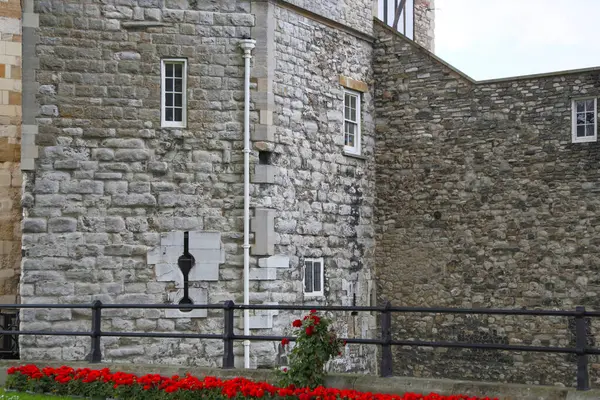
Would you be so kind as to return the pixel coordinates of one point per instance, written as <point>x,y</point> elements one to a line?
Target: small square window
<point>351,122</point>
<point>585,124</point>
<point>173,93</point>
<point>313,277</point>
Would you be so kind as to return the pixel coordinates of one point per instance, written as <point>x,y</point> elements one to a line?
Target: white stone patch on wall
<point>198,296</point>
<point>261,319</point>
<point>204,246</point>
<point>208,252</point>
<point>276,261</point>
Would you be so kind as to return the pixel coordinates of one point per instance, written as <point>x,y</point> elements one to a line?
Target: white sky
<point>499,38</point>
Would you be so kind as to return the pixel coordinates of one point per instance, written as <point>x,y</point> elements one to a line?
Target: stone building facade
<point>378,172</point>
<point>122,173</point>
<point>489,202</point>
<point>10,149</point>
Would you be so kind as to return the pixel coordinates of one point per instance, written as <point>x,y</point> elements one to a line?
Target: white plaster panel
<point>204,272</point>
<point>205,256</point>
<point>198,296</point>
<point>261,322</point>
<point>205,240</point>
<point>168,273</point>
<point>276,261</point>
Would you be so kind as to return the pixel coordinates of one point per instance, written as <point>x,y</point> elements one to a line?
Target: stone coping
<point>363,383</point>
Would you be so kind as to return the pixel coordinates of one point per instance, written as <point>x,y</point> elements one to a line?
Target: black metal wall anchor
<point>186,262</point>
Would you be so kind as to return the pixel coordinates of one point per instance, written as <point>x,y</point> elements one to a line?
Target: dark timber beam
<point>398,13</point>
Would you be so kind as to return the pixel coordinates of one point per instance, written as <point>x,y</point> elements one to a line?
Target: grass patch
<point>26,396</point>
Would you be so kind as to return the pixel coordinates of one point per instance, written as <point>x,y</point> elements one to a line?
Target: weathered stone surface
<point>484,202</point>
<point>110,181</point>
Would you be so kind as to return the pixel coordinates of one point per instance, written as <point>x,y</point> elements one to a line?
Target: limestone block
<point>276,261</point>
<point>168,273</point>
<point>264,173</point>
<point>198,296</point>
<point>204,240</point>
<point>353,84</point>
<point>261,322</point>
<point>263,274</point>
<point>204,272</point>
<point>263,133</point>
<point>263,225</point>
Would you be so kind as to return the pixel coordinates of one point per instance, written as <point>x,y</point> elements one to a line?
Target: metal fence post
<point>386,338</point>
<point>96,331</point>
<point>228,335</point>
<point>583,377</point>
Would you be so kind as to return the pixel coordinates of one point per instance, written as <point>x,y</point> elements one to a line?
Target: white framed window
<point>585,121</point>
<point>173,74</point>
<point>351,121</point>
<point>313,277</point>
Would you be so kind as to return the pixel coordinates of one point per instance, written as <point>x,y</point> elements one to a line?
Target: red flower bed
<point>104,383</point>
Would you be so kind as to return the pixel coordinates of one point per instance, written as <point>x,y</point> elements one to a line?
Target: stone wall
<point>10,149</point>
<point>483,201</point>
<point>112,193</point>
<point>425,24</point>
<point>357,14</point>
<point>323,197</point>
<point>110,189</point>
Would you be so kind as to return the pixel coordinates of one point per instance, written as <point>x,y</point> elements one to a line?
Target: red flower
<point>297,323</point>
<point>316,319</point>
<point>313,311</point>
<point>285,341</point>
<point>310,330</point>
<point>233,388</point>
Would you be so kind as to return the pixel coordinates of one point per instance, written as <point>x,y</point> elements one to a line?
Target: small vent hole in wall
<point>264,157</point>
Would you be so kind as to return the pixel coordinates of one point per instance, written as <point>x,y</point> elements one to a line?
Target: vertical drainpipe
<point>247,45</point>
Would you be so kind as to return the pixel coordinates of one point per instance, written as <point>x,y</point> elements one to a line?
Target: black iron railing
<point>581,349</point>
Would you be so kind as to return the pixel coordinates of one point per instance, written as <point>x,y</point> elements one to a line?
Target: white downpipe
<point>247,45</point>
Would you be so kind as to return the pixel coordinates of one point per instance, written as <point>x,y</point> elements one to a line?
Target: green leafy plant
<point>316,344</point>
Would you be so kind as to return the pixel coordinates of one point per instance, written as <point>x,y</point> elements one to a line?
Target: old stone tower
<point>135,128</point>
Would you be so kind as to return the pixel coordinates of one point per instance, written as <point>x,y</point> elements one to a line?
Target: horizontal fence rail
<point>385,341</point>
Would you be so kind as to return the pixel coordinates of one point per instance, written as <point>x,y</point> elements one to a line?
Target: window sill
<point>586,140</point>
<point>316,296</point>
<point>173,127</point>
<point>354,155</point>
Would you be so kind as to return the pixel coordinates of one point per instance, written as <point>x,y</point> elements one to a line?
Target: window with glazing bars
<point>313,277</point>
<point>584,117</point>
<point>352,122</point>
<point>173,91</point>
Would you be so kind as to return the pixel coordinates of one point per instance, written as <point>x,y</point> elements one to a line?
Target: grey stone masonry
<point>322,197</point>
<point>111,188</point>
<point>357,14</point>
<point>111,193</point>
<point>424,21</point>
<point>483,201</point>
